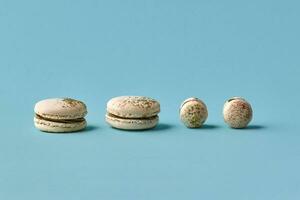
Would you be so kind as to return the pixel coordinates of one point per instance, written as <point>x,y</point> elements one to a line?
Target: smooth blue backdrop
<point>170,50</point>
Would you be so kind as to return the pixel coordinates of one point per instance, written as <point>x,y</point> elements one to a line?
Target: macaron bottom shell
<point>59,127</point>
<point>131,124</point>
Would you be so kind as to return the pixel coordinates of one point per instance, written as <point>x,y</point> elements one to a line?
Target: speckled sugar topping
<point>68,102</point>
<point>138,101</point>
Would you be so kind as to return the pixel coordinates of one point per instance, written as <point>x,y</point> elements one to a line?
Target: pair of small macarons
<point>60,115</point>
<point>237,112</point>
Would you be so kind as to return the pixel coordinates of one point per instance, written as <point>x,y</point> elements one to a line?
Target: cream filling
<point>60,120</point>
<point>147,118</point>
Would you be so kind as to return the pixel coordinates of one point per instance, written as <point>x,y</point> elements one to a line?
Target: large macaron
<point>60,115</point>
<point>132,112</point>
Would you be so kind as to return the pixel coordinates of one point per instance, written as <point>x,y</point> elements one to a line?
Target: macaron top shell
<point>60,108</point>
<point>133,107</point>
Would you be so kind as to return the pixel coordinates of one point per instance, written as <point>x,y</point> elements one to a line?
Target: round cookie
<point>60,115</point>
<point>193,112</point>
<point>237,112</point>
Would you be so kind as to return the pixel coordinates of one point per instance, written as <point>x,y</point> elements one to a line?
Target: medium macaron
<point>60,115</point>
<point>132,112</point>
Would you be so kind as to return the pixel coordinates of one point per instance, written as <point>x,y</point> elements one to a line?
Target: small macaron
<point>237,112</point>
<point>193,112</point>
<point>132,112</point>
<point>60,115</point>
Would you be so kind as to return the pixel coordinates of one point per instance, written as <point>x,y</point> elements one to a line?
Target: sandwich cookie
<point>60,115</point>
<point>132,112</point>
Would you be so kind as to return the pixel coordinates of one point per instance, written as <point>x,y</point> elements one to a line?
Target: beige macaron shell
<point>59,108</point>
<point>237,112</point>
<point>58,127</point>
<point>133,107</point>
<point>132,124</point>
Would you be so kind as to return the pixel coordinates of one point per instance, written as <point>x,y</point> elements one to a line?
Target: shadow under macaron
<point>209,127</point>
<point>252,127</point>
<point>90,128</point>
<point>204,127</point>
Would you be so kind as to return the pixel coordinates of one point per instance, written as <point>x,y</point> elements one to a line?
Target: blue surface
<point>169,50</point>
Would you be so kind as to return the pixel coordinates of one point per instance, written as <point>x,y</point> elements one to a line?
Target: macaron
<point>237,112</point>
<point>193,112</point>
<point>60,115</point>
<point>132,112</point>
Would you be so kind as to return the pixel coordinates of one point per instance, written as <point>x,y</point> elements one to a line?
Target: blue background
<point>169,50</point>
